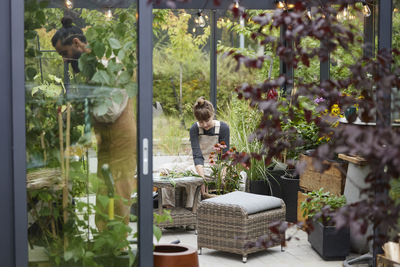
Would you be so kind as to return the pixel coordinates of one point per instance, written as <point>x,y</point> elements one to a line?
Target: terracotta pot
<point>171,255</point>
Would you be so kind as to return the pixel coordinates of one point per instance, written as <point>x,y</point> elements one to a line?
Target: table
<point>180,215</point>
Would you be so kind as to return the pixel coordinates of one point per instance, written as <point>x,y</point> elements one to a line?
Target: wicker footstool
<point>229,222</point>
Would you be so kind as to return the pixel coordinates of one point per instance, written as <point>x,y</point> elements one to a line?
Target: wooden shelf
<point>353,159</point>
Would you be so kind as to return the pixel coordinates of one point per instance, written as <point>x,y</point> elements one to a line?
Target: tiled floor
<point>298,253</point>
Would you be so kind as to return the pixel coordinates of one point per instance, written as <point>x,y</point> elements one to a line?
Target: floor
<point>298,253</point>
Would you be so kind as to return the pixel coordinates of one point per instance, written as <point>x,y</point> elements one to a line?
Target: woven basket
<point>44,178</point>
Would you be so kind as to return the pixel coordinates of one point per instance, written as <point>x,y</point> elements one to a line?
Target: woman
<point>204,134</point>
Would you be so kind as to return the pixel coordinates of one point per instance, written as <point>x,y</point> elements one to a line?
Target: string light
<point>108,14</point>
<point>309,14</point>
<point>290,6</point>
<point>366,10</point>
<point>345,12</point>
<point>236,4</point>
<point>280,4</point>
<point>200,20</point>
<point>284,5</point>
<point>69,4</point>
<point>194,30</point>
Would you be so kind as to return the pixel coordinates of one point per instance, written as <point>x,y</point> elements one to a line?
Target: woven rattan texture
<point>229,228</point>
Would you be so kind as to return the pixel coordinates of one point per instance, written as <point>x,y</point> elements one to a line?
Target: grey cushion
<point>251,203</point>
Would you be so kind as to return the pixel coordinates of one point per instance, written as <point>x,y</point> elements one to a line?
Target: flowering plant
<point>224,169</point>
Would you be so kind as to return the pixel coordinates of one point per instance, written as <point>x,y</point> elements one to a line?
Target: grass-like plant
<point>169,136</point>
<point>242,120</point>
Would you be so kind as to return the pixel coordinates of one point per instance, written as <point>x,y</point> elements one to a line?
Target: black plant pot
<point>268,186</point>
<point>289,184</point>
<point>330,243</point>
<point>121,260</point>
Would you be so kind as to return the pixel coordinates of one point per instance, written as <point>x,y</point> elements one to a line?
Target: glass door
<point>81,81</point>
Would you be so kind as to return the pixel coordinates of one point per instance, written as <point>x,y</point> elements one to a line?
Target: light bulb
<point>366,10</point>
<point>69,4</point>
<point>108,14</point>
<point>309,15</point>
<point>236,4</point>
<point>202,21</point>
<point>280,5</point>
<point>194,30</point>
<point>345,12</point>
<point>290,6</point>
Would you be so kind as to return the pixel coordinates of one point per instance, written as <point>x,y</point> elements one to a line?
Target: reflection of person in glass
<point>115,130</point>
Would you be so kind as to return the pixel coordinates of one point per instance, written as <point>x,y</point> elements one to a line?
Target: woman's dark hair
<point>203,109</point>
<point>67,33</point>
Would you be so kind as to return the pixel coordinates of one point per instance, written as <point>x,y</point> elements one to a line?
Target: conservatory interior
<point>211,133</point>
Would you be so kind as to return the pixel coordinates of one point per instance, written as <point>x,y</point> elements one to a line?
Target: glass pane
<point>81,90</point>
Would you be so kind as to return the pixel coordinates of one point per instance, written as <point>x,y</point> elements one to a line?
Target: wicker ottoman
<point>229,222</point>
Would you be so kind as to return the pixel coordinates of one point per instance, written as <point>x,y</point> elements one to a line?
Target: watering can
<point>105,170</point>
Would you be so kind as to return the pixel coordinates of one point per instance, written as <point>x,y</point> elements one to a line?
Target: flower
<point>335,110</point>
<point>272,94</point>
<point>224,169</point>
<point>319,100</point>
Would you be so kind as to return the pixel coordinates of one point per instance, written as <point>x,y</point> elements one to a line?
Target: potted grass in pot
<point>328,241</point>
<point>289,184</point>
<point>262,179</point>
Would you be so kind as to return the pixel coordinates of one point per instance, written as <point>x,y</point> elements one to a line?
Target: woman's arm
<point>200,170</point>
<point>195,144</point>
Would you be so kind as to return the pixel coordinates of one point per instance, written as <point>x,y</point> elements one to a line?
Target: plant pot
<point>329,243</point>
<point>269,185</point>
<point>171,255</point>
<point>289,184</point>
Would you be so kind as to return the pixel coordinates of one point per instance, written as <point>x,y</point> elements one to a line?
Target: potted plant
<point>224,169</point>
<point>330,243</point>
<point>260,177</point>
<point>289,184</point>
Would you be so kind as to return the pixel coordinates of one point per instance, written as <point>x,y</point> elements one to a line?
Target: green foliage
<point>169,136</point>
<point>159,218</point>
<point>241,129</point>
<point>42,128</point>
<point>225,172</point>
<point>180,52</point>
<point>307,131</point>
<point>112,61</point>
<point>317,200</point>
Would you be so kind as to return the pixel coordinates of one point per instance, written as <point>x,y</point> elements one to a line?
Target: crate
<point>332,179</point>
<point>382,261</point>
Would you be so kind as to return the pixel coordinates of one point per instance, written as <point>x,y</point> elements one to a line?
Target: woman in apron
<point>204,134</point>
